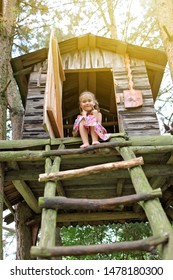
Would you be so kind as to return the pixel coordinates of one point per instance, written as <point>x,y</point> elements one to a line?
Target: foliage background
<point>132,21</point>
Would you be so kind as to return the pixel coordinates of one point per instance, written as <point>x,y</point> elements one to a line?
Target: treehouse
<point>126,179</point>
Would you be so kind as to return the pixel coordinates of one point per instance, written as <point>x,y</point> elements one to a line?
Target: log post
<point>48,221</point>
<point>23,231</point>
<point>153,209</point>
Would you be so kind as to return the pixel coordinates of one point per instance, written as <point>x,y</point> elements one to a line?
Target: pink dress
<point>90,120</point>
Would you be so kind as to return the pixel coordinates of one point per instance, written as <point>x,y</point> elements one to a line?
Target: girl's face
<point>87,103</point>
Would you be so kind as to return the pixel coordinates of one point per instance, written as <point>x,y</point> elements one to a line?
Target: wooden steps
<point>148,245</point>
<point>145,196</point>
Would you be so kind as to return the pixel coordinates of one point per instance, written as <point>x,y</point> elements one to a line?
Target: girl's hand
<point>84,113</point>
<point>97,115</point>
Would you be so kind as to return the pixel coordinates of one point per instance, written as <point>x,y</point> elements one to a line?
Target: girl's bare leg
<point>84,135</point>
<point>94,136</point>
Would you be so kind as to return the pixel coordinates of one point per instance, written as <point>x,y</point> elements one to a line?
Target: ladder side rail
<point>154,211</point>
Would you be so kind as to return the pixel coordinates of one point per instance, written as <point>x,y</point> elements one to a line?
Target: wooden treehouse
<point>127,179</point>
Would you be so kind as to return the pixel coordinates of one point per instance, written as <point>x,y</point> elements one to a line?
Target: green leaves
<point>107,234</point>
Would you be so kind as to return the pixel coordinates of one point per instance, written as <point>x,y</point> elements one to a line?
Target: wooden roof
<point>155,60</point>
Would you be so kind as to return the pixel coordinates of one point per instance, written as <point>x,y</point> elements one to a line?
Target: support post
<point>23,232</point>
<point>153,209</point>
<point>48,221</point>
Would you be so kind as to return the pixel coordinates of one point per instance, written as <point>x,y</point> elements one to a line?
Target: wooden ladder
<point>148,198</point>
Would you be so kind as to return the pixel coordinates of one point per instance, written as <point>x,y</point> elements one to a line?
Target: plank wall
<point>33,118</point>
<point>139,121</point>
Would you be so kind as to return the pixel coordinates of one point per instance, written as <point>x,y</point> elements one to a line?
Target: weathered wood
<point>22,156</point>
<point>21,144</point>
<point>59,186</point>
<point>150,170</point>
<point>90,218</point>
<point>25,191</point>
<point>161,140</point>
<point>156,140</point>
<point>91,170</point>
<point>143,245</point>
<point>95,204</point>
<point>161,225</point>
<point>53,92</point>
<point>88,149</point>
<point>48,222</point>
<point>40,155</point>
<point>27,194</point>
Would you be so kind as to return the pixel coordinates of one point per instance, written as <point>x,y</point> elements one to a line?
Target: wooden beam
<point>24,143</point>
<point>61,175</point>
<point>27,194</point>
<point>161,225</point>
<point>95,204</point>
<point>160,142</point>
<point>25,191</point>
<point>150,170</point>
<point>23,71</point>
<point>139,245</point>
<point>89,218</point>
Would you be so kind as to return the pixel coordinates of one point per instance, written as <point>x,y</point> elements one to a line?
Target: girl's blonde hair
<point>96,106</point>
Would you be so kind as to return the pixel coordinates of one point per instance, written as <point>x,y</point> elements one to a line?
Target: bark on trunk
<point>24,233</point>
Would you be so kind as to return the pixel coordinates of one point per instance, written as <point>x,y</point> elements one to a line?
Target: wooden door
<point>52,116</point>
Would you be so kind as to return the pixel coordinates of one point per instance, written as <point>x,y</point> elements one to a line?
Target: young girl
<point>89,120</point>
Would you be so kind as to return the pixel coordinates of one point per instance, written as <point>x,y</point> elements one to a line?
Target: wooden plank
<point>53,93</point>
<point>53,122</point>
<point>89,218</point>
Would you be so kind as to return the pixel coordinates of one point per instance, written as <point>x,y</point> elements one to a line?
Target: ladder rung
<point>60,202</point>
<point>91,170</point>
<point>143,245</point>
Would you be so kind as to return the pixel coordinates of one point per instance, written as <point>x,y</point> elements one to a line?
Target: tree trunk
<point>109,22</point>
<point>24,233</point>
<point>164,11</point>
<point>3,86</point>
<point>8,92</point>
<point>16,107</point>
<point>12,94</point>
